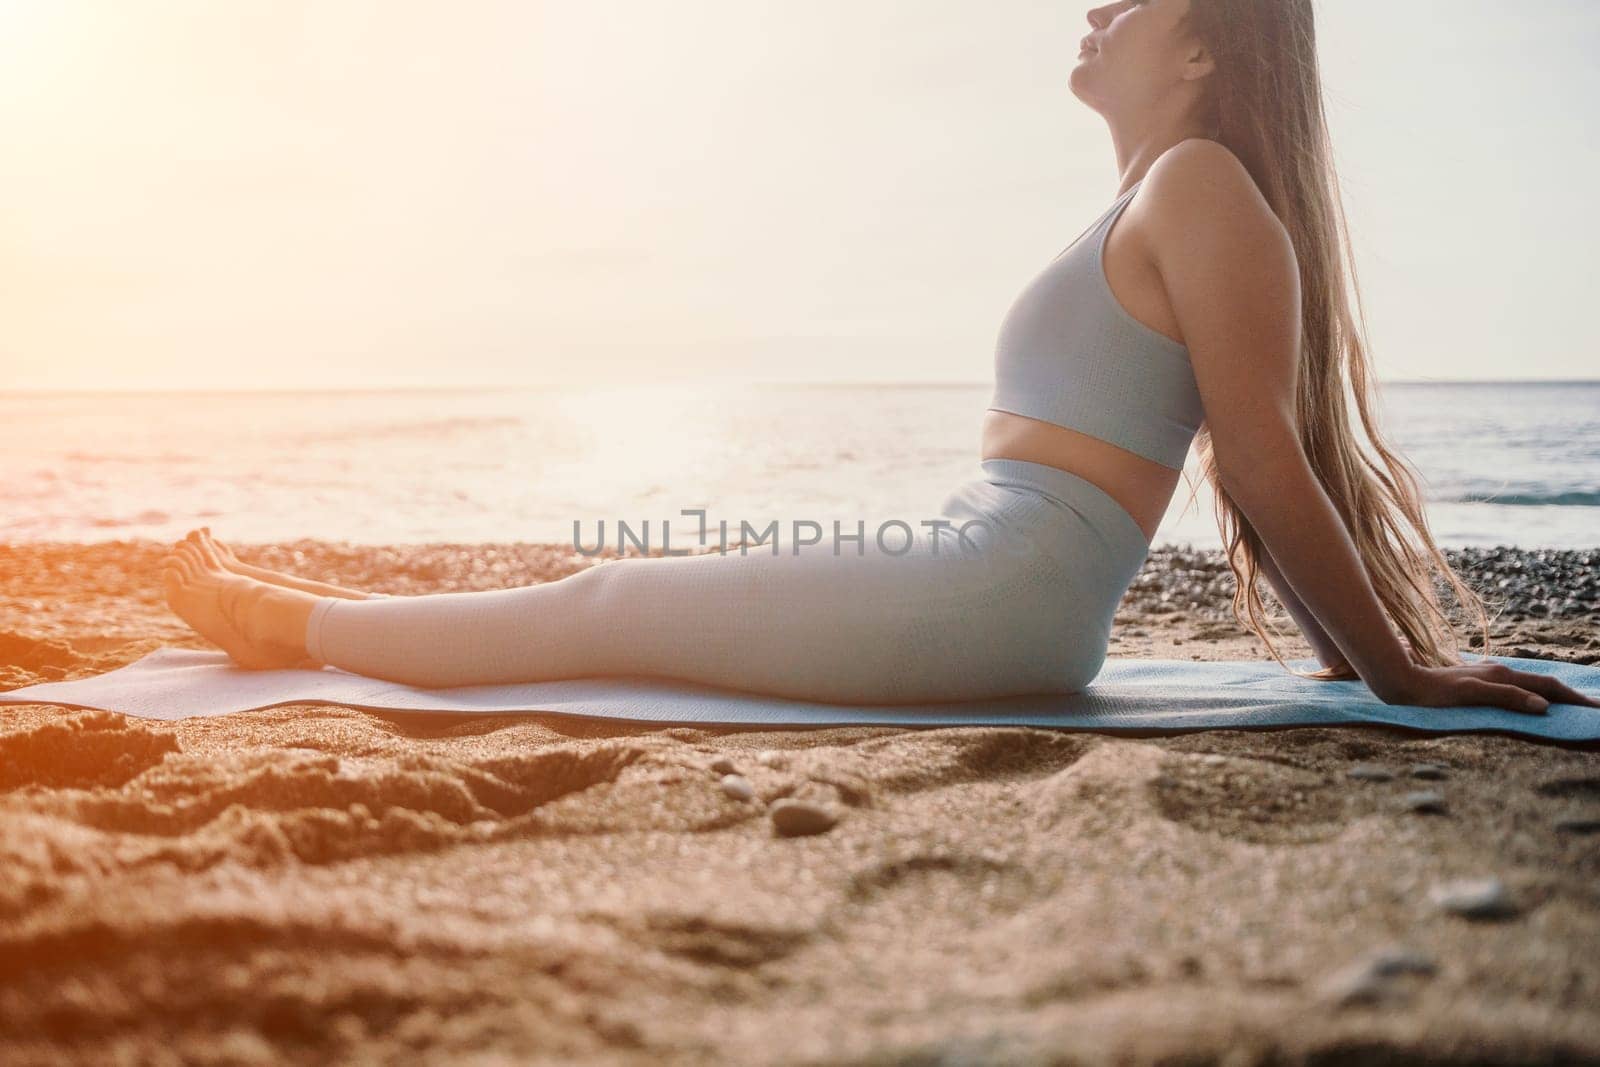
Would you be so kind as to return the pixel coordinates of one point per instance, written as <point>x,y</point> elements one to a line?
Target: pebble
<point>775,760</point>
<point>1475,898</point>
<point>1428,770</point>
<point>1426,801</point>
<point>1369,979</point>
<point>1579,824</point>
<point>737,787</point>
<point>1355,984</point>
<point>800,818</point>
<point>1370,772</point>
<point>724,765</point>
<point>1397,959</point>
<point>1213,759</point>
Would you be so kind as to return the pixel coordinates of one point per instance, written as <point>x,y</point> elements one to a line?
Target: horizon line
<point>712,383</point>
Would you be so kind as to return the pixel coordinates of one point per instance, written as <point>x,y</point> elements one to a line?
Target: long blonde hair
<point>1266,105</point>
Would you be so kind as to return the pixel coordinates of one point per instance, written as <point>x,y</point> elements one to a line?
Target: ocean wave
<point>128,457</point>
<point>1576,498</point>
<point>426,429</point>
<point>144,518</point>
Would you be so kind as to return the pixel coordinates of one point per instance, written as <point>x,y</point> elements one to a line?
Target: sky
<point>421,193</point>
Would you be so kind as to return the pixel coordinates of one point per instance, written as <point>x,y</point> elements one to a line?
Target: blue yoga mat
<point>1130,696</point>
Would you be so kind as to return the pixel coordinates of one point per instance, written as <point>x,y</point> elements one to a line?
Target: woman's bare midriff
<point>1143,487</point>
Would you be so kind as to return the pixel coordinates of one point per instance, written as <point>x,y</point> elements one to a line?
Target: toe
<point>218,552</point>
<point>207,553</point>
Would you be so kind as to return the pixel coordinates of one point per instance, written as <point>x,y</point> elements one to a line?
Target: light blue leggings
<point>1020,601</point>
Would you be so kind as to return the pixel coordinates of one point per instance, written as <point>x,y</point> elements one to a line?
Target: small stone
<point>775,760</point>
<point>724,765</point>
<point>1397,959</point>
<point>1475,898</point>
<point>1578,824</point>
<point>1213,759</point>
<point>1425,801</point>
<point>1370,772</point>
<point>1355,984</point>
<point>1369,980</point>
<point>800,818</point>
<point>1428,770</point>
<point>737,787</point>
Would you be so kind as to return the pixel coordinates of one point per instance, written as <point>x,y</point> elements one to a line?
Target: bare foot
<point>232,563</point>
<point>259,625</point>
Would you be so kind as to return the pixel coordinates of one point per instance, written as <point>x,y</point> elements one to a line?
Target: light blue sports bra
<point>1069,354</point>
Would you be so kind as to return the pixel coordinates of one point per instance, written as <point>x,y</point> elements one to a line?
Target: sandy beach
<point>328,885</point>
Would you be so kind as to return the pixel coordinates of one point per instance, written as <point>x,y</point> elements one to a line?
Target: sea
<point>1501,463</point>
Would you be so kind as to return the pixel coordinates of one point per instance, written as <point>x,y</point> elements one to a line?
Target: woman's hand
<point>1486,684</point>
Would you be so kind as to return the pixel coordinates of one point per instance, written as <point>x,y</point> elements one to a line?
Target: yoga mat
<point>1130,696</point>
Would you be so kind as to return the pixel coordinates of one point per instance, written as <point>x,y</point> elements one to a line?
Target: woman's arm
<point>1291,511</point>
<point>1322,646</point>
<point>1230,270</point>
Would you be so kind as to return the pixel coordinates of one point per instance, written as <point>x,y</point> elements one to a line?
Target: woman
<point>1206,305</point>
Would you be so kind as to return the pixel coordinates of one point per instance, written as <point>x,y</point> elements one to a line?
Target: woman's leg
<point>937,622</point>
<point>1023,606</point>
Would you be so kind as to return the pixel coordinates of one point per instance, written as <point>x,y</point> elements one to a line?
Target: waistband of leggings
<point>1079,494</point>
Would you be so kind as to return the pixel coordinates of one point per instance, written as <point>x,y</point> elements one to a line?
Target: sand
<point>328,885</point>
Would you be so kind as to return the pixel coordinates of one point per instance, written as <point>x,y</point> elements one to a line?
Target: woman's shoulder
<point>1200,153</point>
<point>1201,173</point>
<point>1201,185</point>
